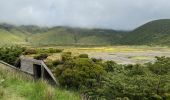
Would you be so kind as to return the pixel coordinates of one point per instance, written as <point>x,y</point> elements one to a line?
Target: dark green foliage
<point>51,50</point>
<point>10,54</point>
<point>83,56</point>
<point>96,60</point>
<point>30,51</point>
<point>81,72</point>
<point>66,56</point>
<point>1,93</point>
<point>136,69</point>
<point>78,72</point>
<point>110,66</point>
<point>41,56</point>
<point>161,66</point>
<point>139,82</point>
<point>110,81</point>
<point>57,62</point>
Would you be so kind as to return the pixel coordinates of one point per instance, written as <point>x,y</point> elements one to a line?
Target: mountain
<point>152,33</point>
<point>77,36</point>
<point>10,34</point>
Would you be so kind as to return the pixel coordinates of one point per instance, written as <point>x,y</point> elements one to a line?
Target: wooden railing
<point>49,71</point>
<point>14,68</point>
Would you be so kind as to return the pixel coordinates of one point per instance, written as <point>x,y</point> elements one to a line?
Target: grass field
<point>120,54</point>
<point>21,87</point>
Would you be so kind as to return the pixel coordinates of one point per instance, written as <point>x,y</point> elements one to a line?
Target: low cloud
<point>115,14</point>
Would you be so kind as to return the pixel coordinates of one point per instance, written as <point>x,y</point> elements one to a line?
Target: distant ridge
<point>152,33</point>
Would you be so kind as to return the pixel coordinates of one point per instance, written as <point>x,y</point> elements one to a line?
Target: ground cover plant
<point>98,79</point>
<point>108,80</point>
<point>22,87</point>
<point>10,54</point>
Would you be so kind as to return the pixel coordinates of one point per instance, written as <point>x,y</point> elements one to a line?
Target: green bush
<point>66,56</point>
<point>83,56</point>
<point>110,66</point>
<point>41,56</point>
<point>79,72</point>
<point>57,62</point>
<point>10,54</point>
<point>96,60</point>
<point>30,51</point>
<point>51,50</point>
<point>156,97</point>
<point>1,93</point>
<point>161,66</point>
<point>136,69</point>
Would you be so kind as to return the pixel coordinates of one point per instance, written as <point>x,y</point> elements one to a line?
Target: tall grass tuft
<point>23,86</point>
<point>1,92</point>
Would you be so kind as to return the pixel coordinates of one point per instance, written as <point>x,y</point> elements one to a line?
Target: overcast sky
<point>114,14</point>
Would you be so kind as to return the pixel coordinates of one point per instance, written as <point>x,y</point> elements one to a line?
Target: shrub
<point>110,66</point>
<point>52,50</point>
<point>30,51</point>
<point>41,57</point>
<point>10,54</point>
<point>156,97</point>
<point>161,66</point>
<point>57,62</point>
<point>96,60</point>
<point>83,56</point>
<point>66,56</point>
<point>1,93</point>
<point>49,64</point>
<point>80,72</point>
<point>136,69</point>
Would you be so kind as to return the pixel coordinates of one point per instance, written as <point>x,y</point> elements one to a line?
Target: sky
<point>110,14</point>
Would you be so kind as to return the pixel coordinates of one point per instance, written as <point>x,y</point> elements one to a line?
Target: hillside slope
<point>10,34</point>
<point>76,36</point>
<point>154,32</point>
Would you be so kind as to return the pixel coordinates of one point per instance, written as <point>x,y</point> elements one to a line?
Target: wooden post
<point>42,72</point>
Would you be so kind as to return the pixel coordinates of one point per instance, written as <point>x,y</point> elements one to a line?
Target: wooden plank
<point>13,67</point>
<point>50,73</point>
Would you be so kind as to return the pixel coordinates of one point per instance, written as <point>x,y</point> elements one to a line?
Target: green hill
<point>76,36</point>
<point>154,32</point>
<point>10,34</point>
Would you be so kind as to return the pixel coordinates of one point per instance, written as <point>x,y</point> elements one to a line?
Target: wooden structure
<point>37,68</point>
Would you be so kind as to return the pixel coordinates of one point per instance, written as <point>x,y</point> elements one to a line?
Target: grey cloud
<point>115,14</point>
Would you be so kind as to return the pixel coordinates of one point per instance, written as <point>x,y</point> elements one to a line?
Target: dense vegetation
<point>98,79</point>
<point>152,33</point>
<point>107,80</point>
<point>11,54</point>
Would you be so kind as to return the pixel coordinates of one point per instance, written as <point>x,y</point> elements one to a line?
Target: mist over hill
<point>152,33</point>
